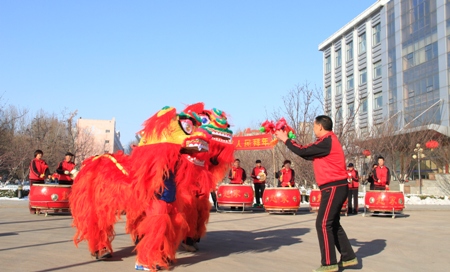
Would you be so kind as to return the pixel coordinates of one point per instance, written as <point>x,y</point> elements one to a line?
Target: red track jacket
<point>327,156</point>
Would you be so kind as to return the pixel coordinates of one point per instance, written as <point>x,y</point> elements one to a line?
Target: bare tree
<point>396,146</point>
<point>86,145</point>
<point>300,107</point>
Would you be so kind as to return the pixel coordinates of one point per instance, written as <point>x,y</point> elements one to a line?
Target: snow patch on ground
<point>415,200</point>
<point>14,198</point>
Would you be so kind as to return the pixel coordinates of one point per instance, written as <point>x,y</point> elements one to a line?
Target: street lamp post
<point>419,156</point>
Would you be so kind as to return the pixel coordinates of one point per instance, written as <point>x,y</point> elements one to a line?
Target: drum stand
<point>46,211</point>
<point>282,211</point>
<point>233,211</point>
<point>383,213</point>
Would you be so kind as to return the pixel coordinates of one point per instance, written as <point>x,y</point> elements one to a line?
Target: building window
<point>106,141</point>
<point>351,109</point>
<point>363,76</point>
<point>338,114</point>
<point>338,58</point>
<point>350,51</point>
<point>409,60</point>
<point>362,43</point>
<point>338,88</point>
<point>376,32</point>
<point>107,131</point>
<point>364,105</point>
<point>377,101</point>
<point>328,64</point>
<point>350,84</point>
<point>377,69</point>
<point>431,51</point>
<point>328,93</point>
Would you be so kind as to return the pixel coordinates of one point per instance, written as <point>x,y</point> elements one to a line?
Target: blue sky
<point>128,59</point>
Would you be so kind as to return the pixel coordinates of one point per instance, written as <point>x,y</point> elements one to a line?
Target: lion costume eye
<point>204,118</point>
<point>187,126</point>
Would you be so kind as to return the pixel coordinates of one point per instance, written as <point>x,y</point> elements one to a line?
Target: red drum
<point>316,196</point>
<point>384,201</point>
<point>314,199</point>
<point>283,199</point>
<point>49,197</point>
<point>235,195</point>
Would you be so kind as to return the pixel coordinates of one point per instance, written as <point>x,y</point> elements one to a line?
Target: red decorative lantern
<point>432,144</point>
<point>366,153</point>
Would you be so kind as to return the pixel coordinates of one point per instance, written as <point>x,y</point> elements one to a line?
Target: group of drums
<point>49,197</point>
<point>288,199</point>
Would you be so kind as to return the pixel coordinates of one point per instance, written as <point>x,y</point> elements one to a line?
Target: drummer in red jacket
<point>38,169</point>
<point>381,175</point>
<point>237,174</point>
<point>286,176</point>
<point>64,169</point>
<point>259,174</point>
<point>353,186</point>
<point>331,176</point>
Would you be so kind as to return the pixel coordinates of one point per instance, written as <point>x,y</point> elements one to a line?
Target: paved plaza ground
<point>237,242</point>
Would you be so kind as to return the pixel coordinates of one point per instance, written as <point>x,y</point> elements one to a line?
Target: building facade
<point>390,63</point>
<point>95,137</point>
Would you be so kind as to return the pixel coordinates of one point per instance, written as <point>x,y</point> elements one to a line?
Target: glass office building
<point>391,63</point>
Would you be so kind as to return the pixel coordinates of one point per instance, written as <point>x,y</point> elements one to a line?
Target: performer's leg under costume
<point>95,213</point>
<point>203,209</point>
<point>161,230</point>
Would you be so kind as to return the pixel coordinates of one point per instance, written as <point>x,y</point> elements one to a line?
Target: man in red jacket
<point>353,185</point>
<point>331,176</point>
<point>381,175</point>
<point>237,174</point>
<point>64,169</point>
<point>259,174</point>
<point>286,176</point>
<point>38,168</point>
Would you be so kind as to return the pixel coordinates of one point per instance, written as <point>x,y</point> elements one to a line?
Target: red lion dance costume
<point>153,186</point>
<point>217,160</point>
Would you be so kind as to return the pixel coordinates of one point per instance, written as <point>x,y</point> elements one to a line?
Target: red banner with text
<point>254,142</point>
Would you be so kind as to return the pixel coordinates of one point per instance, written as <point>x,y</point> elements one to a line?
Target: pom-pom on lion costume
<point>147,185</point>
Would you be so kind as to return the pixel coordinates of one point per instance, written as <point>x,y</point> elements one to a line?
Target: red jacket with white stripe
<point>38,168</point>
<point>382,176</point>
<point>327,156</point>
<point>65,166</point>
<point>353,176</point>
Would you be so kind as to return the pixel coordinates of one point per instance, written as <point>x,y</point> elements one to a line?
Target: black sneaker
<point>102,254</point>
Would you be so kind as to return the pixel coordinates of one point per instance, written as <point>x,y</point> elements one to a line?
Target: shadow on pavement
<point>67,266</point>
<point>387,215</point>
<point>8,234</point>
<point>124,252</point>
<point>366,249</point>
<point>32,230</point>
<point>220,244</point>
<point>29,221</point>
<point>36,245</point>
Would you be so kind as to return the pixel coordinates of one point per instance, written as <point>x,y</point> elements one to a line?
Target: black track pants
<point>329,230</point>
<point>259,191</point>
<point>352,200</point>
